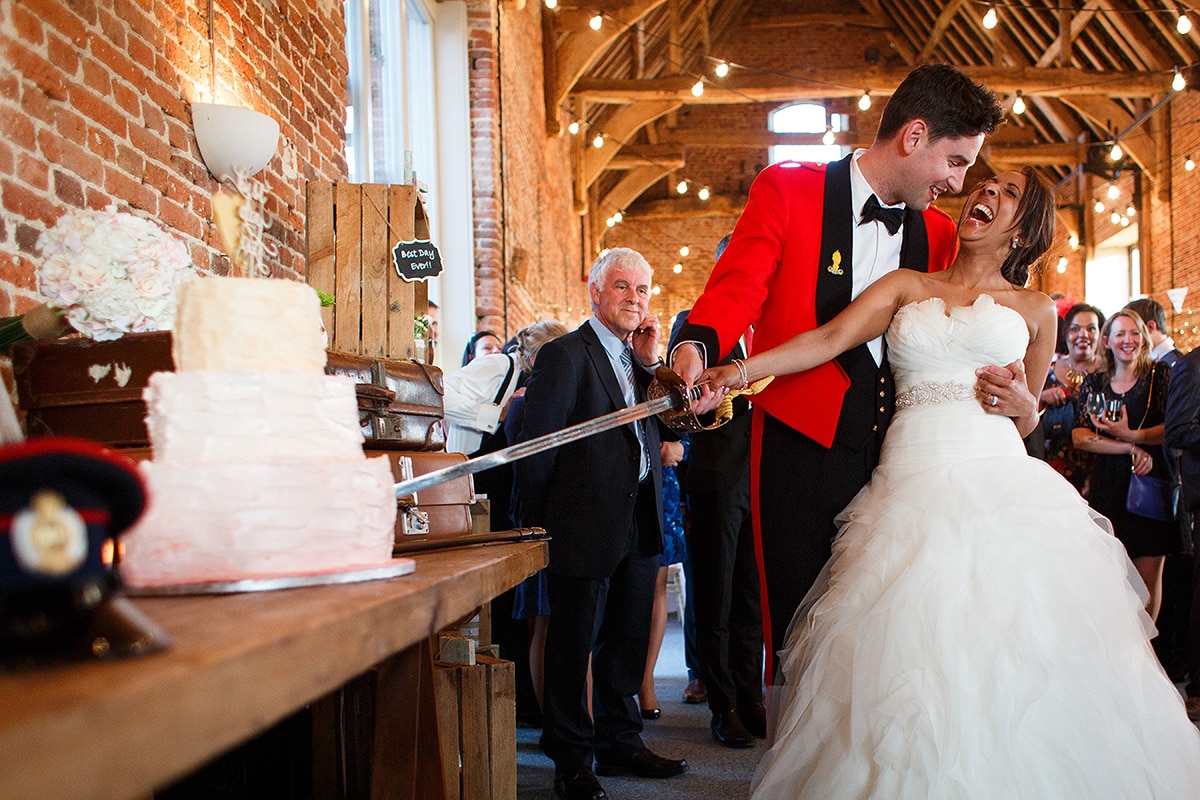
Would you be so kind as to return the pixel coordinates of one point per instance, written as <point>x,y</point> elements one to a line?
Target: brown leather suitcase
<point>92,390</point>
<point>440,516</point>
<point>400,404</point>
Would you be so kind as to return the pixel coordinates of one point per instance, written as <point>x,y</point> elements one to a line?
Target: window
<point>806,118</point>
<point>1113,275</point>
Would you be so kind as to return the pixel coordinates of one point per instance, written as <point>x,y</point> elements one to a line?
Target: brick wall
<point>94,110</point>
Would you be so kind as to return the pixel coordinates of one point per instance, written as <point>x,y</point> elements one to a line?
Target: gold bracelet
<point>741,368</point>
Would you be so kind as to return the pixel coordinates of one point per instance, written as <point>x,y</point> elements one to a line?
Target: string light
<point>864,102</point>
<point>1113,191</point>
<point>1073,240</point>
<point>683,251</point>
<point>703,193</point>
<point>598,142</point>
<point>1114,217</point>
<point>990,18</point>
<point>551,4</point>
<point>698,88</point>
<point>1178,83</point>
<point>657,289</point>
<point>681,187</point>
<point>618,216</point>
<point>1062,265</point>
<point>1130,211</point>
<point>1116,152</point>
<point>722,70</point>
<point>1183,24</point>
<point>1188,164</point>
<point>595,22</point>
<point>1124,222</point>
<point>1099,206</point>
<point>828,139</point>
<point>677,269</point>
<point>1019,104</point>
<point>610,222</point>
<point>573,127</point>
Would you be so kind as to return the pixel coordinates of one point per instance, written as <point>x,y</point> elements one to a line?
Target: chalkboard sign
<point>417,260</point>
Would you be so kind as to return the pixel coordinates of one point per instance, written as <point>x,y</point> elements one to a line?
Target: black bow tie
<point>892,218</point>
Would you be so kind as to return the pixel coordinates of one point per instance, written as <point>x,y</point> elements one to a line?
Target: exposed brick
<point>23,202</point>
<point>68,188</point>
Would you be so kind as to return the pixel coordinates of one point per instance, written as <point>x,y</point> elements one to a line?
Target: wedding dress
<point>976,635</point>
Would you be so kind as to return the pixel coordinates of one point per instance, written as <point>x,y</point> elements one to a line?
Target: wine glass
<point>1096,405</point>
<point>1112,409</point>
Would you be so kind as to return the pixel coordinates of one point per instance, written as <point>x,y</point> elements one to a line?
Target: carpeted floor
<point>681,732</point>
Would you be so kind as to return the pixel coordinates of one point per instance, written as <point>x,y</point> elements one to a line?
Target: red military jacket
<point>788,269</point>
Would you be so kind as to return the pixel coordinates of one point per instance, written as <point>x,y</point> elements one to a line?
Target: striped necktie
<point>627,364</point>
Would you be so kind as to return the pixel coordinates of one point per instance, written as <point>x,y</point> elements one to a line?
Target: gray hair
<point>531,338</point>
<point>618,257</point>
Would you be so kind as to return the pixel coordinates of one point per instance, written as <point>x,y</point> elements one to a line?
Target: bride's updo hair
<point>1035,227</point>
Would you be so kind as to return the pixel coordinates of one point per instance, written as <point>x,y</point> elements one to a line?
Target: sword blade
<point>515,452</point>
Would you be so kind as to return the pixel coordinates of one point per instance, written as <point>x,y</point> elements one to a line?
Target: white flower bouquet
<point>112,272</point>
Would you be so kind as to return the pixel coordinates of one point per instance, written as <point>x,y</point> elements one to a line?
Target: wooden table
<point>239,664</point>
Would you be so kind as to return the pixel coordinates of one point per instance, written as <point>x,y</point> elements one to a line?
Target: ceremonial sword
<point>669,397</point>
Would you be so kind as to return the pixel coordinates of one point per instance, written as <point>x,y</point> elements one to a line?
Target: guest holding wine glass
<point>1059,395</point>
<point>1127,438</point>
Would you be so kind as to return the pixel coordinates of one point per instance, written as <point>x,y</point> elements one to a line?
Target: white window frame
<point>778,122</point>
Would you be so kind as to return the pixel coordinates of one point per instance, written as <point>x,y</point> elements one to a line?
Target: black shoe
<point>643,764</point>
<point>754,717</point>
<point>651,713</point>
<point>695,692</point>
<point>729,730</point>
<point>581,785</point>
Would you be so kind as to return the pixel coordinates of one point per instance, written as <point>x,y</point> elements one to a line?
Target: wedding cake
<point>258,469</point>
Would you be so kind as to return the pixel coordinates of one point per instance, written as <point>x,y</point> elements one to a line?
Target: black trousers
<point>607,619</point>
<point>726,596</point>
<point>801,488</point>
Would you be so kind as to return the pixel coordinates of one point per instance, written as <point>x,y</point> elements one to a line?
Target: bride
<point>976,633</point>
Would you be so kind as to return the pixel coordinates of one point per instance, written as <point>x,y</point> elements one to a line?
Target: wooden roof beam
<point>617,131</point>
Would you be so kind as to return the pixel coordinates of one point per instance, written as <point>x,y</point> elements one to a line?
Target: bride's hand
<point>726,376</point>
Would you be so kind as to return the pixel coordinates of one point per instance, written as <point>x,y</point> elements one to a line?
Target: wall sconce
<point>232,138</point>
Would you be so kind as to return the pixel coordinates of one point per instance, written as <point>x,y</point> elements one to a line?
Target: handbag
<point>1057,421</point>
<point>1148,496</point>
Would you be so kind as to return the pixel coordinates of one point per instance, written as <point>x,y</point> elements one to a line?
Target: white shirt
<point>876,252</point>
<point>470,393</point>
<point>1162,348</point>
<point>613,347</point>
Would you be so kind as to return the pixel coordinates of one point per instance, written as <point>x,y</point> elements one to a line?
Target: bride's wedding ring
<point>995,400</point>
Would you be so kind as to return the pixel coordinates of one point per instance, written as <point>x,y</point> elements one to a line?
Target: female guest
<point>1083,357</point>
<point>976,633</point>
<point>1138,386</point>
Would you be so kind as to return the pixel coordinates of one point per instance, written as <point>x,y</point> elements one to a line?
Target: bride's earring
<point>1016,243</point>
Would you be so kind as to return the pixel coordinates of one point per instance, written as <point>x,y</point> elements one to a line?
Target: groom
<point>812,238</point>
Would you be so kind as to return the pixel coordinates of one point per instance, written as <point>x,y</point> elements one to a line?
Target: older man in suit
<point>600,498</point>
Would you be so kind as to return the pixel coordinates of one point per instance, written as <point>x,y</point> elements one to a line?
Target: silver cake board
<point>394,568</point>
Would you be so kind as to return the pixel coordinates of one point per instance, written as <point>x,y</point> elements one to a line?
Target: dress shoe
<point>695,692</point>
<point>1193,708</point>
<point>729,730</point>
<point>581,785</point>
<point>651,713</point>
<point>641,763</point>
<point>754,717</point>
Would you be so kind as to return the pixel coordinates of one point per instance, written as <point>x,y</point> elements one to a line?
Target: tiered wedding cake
<point>258,467</point>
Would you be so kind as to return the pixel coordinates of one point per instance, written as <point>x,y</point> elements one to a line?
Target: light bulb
<point>598,142</point>
<point>864,102</point>
<point>551,4</point>
<point>698,88</point>
<point>828,139</point>
<point>610,222</point>
<point>573,128</point>
<point>990,18</point>
<point>1073,241</point>
<point>721,70</point>
<point>1183,24</point>
<point>678,268</point>
<point>1115,153</point>
<point>703,193</point>
<point>1019,104</point>
<point>1114,218</point>
<point>657,290</point>
<point>1124,222</point>
<point>1130,211</point>
<point>1099,207</point>
<point>618,216</point>
<point>683,251</point>
<point>1178,83</point>
<point>681,187</point>
<point>1188,164</point>
<point>595,22</point>
<point>1113,191</point>
<point>1062,265</point>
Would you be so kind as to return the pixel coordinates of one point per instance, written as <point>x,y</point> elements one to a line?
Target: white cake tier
<point>197,418</point>
<point>245,521</point>
<point>248,324</point>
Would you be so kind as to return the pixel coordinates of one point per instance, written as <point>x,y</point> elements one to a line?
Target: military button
<point>882,410</point>
<point>875,428</point>
<point>883,380</point>
<point>881,394</point>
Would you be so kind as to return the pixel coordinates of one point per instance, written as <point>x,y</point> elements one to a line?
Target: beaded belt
<point>929,392</point>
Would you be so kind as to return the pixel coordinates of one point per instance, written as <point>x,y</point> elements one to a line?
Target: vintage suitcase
<point>440,516</point>
<point>92,390</point>
<point>399,402</point>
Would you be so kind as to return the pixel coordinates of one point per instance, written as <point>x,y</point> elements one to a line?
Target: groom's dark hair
<point>946,99</point>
